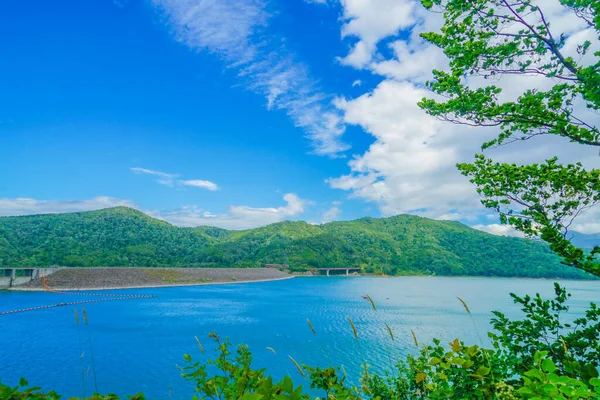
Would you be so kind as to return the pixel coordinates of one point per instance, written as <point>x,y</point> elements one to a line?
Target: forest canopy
<point>398,245</point>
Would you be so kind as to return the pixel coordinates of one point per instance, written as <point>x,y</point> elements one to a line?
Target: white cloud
<point>234,31</point>
<point>587,227</point>
<point>163,177</point>
<point>169,179</point>
<point>151,172</point>
<point>452,216</point>
<point>331,214</point>
<point>499,230</point>
<point>357,82</point>
<point>200,183</point>
<point>413,58</point>
<point>27,206</point>
<point>410,167</point>
<point>588,222</point>
<point>237,217</point>
<point>370,21</point>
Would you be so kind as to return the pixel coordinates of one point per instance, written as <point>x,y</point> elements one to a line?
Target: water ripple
<point>137,344</point>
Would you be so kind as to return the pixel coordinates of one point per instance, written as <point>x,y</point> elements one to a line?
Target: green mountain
<point>584,241</point>
<point>403,244</point>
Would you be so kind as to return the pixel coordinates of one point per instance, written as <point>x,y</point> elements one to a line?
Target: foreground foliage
<point>541,356</point>
<point>398,245</point>
<point>24,392</point>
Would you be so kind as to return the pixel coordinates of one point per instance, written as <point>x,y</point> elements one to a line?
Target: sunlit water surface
<point>136,344</point>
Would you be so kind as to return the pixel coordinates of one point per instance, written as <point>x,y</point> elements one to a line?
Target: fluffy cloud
<point>588,222</point>
<point>332,213</point>
<point>25,206</point>
<point>234,31</point>
<point>370,21</point>
<point>169,179</point>
<point>414,57</point>
<point>498,229</point>
<point>237,217</point>
<point>410,167</point>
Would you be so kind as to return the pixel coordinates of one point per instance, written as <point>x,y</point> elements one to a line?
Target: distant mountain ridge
<point>584,241</point>
<point>404,244</point>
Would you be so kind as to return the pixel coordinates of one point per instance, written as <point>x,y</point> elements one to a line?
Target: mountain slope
<point>398,245</point>
<point>118,236</point>
<point>584,241</point>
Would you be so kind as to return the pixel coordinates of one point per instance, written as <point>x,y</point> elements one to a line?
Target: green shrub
<point>23,392</point>
<point>573,347</point>
<point>236,379</point>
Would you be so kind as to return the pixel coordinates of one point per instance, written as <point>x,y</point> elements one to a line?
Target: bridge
<point>10,277</point>
<point>327,270</point>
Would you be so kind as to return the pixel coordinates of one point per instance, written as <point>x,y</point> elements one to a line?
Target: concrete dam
<point>11,277</point>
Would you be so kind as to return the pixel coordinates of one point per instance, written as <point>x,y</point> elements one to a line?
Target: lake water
<point>138,343</point>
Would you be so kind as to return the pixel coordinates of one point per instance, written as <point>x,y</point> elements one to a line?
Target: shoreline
<point>35,289</point>
<point>114,278</point>
<point>524,278</point>
<point>127,278</point>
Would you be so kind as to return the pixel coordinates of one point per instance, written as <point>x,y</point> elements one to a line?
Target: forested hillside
<point>402,244</point>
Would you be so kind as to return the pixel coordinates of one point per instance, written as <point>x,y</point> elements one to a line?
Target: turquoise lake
<point>137,344</point>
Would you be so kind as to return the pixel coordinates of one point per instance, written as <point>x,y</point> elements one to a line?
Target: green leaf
<point>538,356</point>
<point>428,4</point>
<point>252,396</point>
<point>548,365</point>
<point>434,361</point>
<point>287,384</point>
<point>534,373</point>
<point>442,376</point>
<point>589,371</point>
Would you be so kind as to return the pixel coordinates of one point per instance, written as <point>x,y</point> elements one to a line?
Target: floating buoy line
<point>106,297</point>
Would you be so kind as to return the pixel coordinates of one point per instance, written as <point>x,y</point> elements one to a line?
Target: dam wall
<point>11,277</point>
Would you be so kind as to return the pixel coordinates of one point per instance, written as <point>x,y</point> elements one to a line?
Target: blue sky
<point>94,89</point>
<point>229,113</point>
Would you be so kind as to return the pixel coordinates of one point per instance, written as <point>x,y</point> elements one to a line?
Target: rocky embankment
<point>121,277</point>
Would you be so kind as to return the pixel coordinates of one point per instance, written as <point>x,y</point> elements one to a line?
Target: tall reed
<point>466,307</point>
<point>199,345</point>
<point>364,364</point>
<point>326,349</point>
<point>85,318</point>
<point>272,350</point>
<point>384,336</point>
<point>300,370</point>
<point>80,352</point>
<point>464,303</point>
